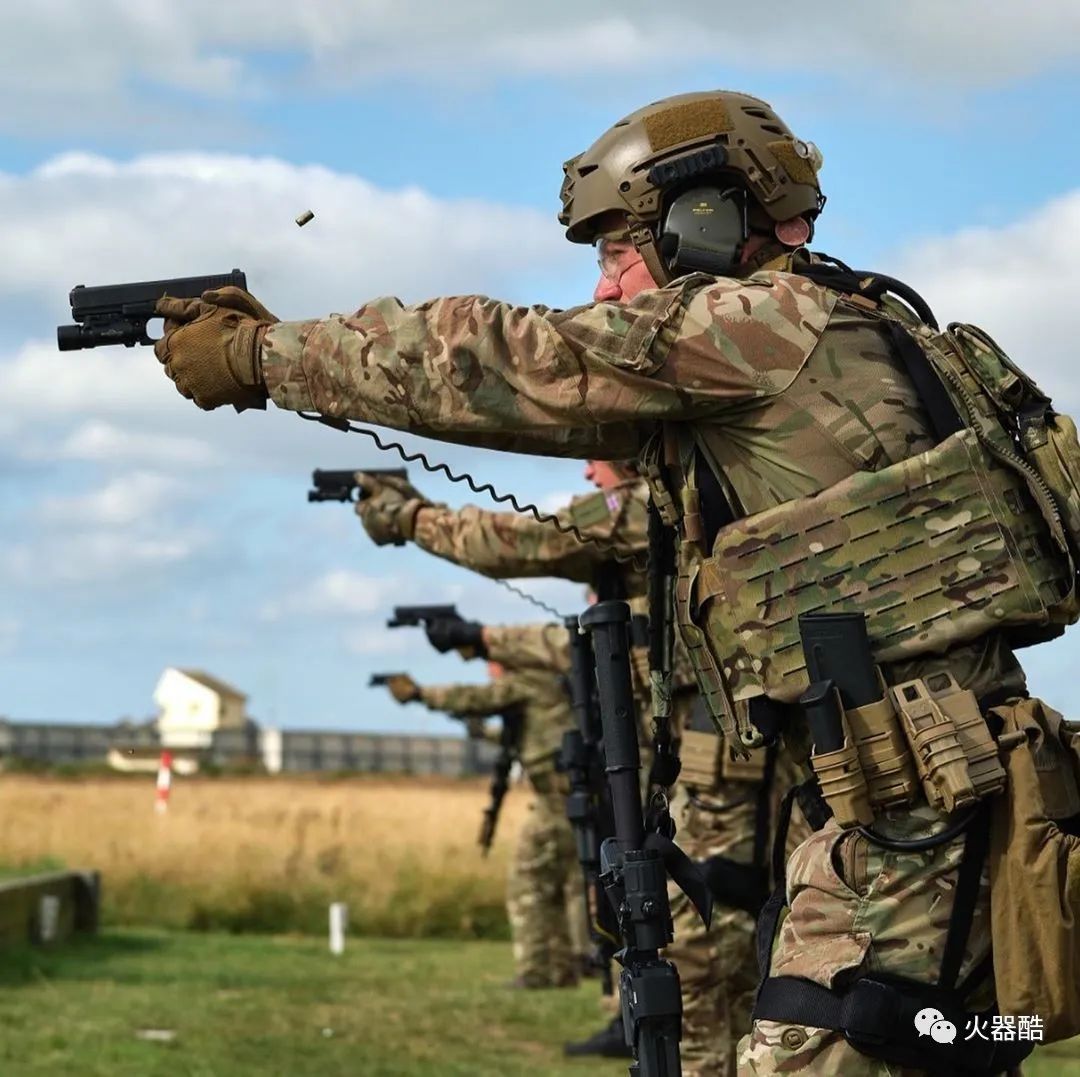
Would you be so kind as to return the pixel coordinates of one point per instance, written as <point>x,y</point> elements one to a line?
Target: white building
<point>194,705</point>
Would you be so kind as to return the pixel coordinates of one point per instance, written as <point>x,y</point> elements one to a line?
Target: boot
<point>609,1042</point>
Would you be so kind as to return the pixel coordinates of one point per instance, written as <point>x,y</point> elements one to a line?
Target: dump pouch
<point>1035,869</point>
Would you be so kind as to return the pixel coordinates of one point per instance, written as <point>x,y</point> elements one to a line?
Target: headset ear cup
<point>704,229</point>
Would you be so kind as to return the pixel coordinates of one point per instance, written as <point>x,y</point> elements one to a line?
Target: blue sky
<point>150,140</point>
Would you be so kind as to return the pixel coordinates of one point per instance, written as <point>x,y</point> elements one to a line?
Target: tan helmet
<point>681,141</point>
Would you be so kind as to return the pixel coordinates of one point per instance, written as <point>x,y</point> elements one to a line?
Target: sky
<point>142,139</point>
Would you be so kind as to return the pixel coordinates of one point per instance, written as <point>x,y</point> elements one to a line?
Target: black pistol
<point>340,485</point>
<point>119,313</point>
<point>414,616</point>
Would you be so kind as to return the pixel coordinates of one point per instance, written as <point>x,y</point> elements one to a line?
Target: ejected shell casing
<point>304,217</point>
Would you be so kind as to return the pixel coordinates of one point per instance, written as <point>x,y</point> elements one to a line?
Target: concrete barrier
<point>49,908</point>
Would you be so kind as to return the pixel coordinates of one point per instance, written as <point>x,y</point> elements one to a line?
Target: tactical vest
<point>976,532</point>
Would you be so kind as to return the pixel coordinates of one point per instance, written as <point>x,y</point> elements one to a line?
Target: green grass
<point>260,1004</point>
<point>263,1005</point>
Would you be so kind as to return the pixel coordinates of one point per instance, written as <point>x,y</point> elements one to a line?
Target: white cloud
<point>87,219</point>
<point>96,440</point>
<point>1019,283</point>
<point>99,54</point>
<point>95,557</point>
<point>376,641</point>
<point>337,593</point>
<point>80,219</point>
<point>123,501</point>
<point>39,379</point>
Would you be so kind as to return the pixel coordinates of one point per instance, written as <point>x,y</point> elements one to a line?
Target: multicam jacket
<point>787,386</point>
<point>542,698</point>
<point>508,544</point>
<point>533,646</point>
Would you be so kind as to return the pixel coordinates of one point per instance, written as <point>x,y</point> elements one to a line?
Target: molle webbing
<point>935,550</point>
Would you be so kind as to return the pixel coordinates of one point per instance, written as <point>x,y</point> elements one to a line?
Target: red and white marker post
<point>164,781</point>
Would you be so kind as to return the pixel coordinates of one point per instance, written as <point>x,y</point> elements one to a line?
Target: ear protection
<point>703,230</point>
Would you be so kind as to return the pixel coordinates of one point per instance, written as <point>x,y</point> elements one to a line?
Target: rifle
<point>339,485</point>
<point>414,616</point>
<point>513,728</point>
<point>380,680</point>
<point>635,863</point>
<point>118,313</point>
<point>587,806</point>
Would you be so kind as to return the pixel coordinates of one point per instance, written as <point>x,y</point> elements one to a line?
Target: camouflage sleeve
<point>508,544</point>
<point>541,647</point>
<point>472,700</point>
<point>591,381</point>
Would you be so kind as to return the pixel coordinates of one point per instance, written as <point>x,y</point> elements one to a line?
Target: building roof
<point>213,683</point>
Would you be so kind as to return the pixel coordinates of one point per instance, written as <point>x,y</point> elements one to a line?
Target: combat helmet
<point>694,174</point>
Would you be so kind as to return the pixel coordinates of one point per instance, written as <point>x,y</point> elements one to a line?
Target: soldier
<point>819,445</point>
<point>720,807</point>
<point>544,898</point>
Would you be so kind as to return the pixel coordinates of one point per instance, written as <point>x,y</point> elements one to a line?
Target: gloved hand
<point>210,347</point>
<point>388,508</point>
<point>449,633</point>
<point>403,688</point>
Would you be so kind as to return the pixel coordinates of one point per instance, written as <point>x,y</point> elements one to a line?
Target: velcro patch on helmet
<point>682,123</point>
<point>798,168</point>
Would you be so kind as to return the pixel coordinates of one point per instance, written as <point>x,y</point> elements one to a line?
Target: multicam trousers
<point>545,898</point>
<point>855,904</point>
<point>718,967</point>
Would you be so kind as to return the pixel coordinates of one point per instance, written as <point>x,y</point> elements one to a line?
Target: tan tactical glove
<point>387,508</point>
<point>403,688</point>
<point>211,347</point>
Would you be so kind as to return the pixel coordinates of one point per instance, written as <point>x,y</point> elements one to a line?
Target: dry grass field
<point>269,854</point>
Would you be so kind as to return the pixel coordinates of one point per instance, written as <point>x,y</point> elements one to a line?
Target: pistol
<point>413,616</point>
<point>380,680</point>
<point>118,313</point>
<point>339,485</point>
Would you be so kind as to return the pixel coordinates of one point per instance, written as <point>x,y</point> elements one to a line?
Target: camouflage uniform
<point>788,388</point>
<point>545,900</point>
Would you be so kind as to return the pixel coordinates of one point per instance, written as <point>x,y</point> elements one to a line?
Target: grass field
<point>282,1006</point>
<point>256,856</point>
<point>269,854</point>
<point>279,1007</point>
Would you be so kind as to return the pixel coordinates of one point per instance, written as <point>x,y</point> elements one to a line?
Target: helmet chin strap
<point>645,244</point>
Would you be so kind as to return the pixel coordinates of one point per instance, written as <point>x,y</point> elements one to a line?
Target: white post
<point>49,917</point>
<point>338,914</point>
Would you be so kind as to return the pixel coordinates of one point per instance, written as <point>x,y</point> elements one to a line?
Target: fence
<point>383,754</point>
<point>287,750</point>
